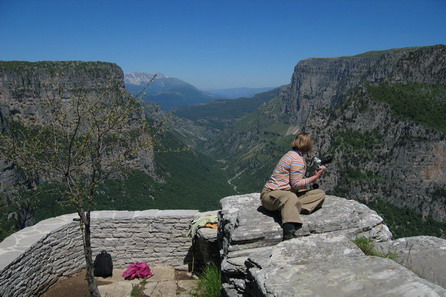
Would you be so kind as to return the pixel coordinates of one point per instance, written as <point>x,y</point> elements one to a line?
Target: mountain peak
<point>142,78</point>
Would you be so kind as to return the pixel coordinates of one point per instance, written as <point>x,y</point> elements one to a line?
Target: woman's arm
<point>297,179</point>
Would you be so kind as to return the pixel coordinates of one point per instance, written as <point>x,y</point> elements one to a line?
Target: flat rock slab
<point>247,223</point>
<point>304,250</point>
<point>330,265</point>
<point>247,227</point>
<point>424,255</point>
<point>343,277</point>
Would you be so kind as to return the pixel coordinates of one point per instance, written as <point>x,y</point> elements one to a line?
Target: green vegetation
<point>209,283</point>
<point>138,289</point>
<point>357,142</point>
<point>352,150</point>
<point>8,223</point>
<point>276,128</point>
<point>258,164</point>
<point>191,181</point>
<point>405,223</point>
<point>367,246</point>
<point>421,103</point>
<point>31,71</point>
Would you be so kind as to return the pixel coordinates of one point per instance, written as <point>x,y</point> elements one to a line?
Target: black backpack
<point>103,265</point>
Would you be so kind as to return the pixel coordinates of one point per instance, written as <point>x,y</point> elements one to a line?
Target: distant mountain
<point>167,92</point>
<point>238,92</point>
<point>142,78</point>
<point>225,110</point>
<point>202,122</point>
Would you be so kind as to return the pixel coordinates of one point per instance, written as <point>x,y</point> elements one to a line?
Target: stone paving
<point>165,282</point>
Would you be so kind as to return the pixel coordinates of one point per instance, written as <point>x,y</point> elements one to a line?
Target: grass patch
<point>367,246</point>
<point>209,283</point>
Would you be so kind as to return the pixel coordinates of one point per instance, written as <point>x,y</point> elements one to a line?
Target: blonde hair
<point>303,143</point>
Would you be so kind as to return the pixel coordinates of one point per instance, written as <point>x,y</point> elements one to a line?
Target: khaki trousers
<point>292,204</point>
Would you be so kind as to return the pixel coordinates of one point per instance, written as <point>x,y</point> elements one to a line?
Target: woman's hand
<point>319,172</point>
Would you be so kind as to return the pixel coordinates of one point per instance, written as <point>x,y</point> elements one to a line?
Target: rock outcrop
<point>321,261</point>
<point>424,255</point>
<point>324,265</point>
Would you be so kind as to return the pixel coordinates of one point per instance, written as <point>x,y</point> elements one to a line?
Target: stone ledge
<point>246,226</point>
<point>425,255</point>
<point>322,260</point>
<point>16,244</point>
<point>330,265</point>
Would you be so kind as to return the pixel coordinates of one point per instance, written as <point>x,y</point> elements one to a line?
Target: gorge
<point>380,114</point>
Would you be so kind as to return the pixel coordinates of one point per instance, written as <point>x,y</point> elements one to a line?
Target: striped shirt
<point>288,175</point>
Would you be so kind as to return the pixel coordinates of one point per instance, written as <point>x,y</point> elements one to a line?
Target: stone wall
<point>34,258</point>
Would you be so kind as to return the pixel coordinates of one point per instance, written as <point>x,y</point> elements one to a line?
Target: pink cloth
<point>137,270</point>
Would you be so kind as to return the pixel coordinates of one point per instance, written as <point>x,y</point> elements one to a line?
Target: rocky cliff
<point>24,88</point>
<point>24,84</point>
<point>380,114</point>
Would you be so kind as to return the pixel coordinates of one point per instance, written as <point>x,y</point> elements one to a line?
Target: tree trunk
<point>92,286</point>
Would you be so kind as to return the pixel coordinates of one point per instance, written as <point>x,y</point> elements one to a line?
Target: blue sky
<point>214,44</point>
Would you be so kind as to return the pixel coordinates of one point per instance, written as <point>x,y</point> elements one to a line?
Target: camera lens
<point>326,160</point>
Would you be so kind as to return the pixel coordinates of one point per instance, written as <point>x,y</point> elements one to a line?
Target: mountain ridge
<point>234,93</point>
<point>167,92</point>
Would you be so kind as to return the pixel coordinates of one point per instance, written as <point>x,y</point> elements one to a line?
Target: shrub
<point>209,282</point>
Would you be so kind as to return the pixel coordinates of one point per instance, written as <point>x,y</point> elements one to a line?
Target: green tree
<point>78,142</point>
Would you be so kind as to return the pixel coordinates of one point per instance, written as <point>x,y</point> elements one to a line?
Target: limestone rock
<point>343,276</point>
<point>246,227</point>
<point>425,255</point>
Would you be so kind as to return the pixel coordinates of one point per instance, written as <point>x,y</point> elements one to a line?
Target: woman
<point>287,189</point>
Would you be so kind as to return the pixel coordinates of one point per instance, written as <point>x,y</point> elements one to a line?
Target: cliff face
<point>26,86</point>
<point>320,83</point>
<point>380,114</point>
<point>325,82</point>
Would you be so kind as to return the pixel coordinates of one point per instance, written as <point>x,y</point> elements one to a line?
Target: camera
<point>322,161</point>
<point>318,162</point>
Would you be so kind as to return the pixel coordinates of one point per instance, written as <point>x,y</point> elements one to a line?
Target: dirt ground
<point>75,286</point>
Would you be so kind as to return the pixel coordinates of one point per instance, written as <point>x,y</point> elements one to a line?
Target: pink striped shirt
<point>288,175</point>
